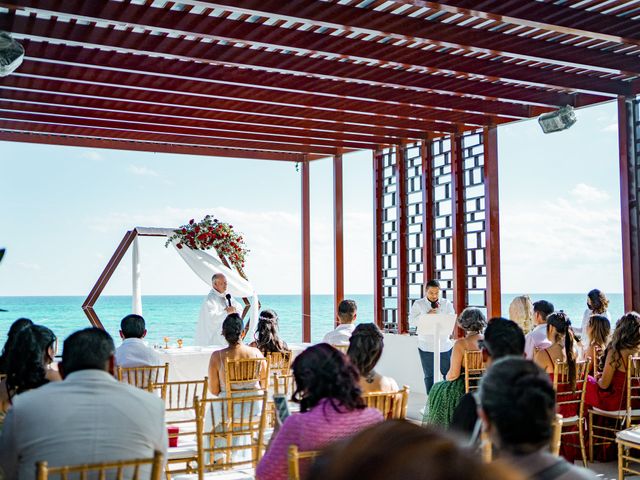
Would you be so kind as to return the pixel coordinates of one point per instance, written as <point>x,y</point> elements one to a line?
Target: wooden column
<point>459,253</point>
<point>492,221</point>
<point>377,239</point>
<point>401,253</point>
<point>629,209</point>
<point>428,266</point>
<point>306,253</point>
<point>338,236</point>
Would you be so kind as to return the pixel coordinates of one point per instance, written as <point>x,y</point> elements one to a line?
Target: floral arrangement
<point>210,233</point>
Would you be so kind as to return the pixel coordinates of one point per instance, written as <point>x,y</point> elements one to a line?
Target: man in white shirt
<point>87,418</point>
<point>347,313</point>
<point>430,304</point>
<point>134,352</point>
<point>214,310</point>
<point>537,339</point>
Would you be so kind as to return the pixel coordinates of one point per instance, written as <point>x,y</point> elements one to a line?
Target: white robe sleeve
<point>209,329</point>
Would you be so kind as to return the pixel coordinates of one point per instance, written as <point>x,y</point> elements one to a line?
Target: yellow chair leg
<point>583,451</point>
<point>620,462</point>
<point>591,437</point>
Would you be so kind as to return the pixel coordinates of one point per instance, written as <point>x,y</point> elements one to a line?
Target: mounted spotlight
<point>557,121</point>
<point>11,54</point>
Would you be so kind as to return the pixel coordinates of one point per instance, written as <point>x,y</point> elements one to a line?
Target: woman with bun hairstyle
<point>232,332</point>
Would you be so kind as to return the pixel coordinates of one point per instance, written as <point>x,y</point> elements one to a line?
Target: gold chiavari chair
<point>143,377</point>
<point>230,432</point>
<point>123,469</point>
<point>393,405</point>
<point>180,413</point>
<point>606,434</point>
<point>571,401</point>
<point>279,362</point>
<point>628,461</point>
<point>341,348</point>
<point>474,368</point>
<point>284,384</point>
<point>246,374</point>
<point>294,457</point>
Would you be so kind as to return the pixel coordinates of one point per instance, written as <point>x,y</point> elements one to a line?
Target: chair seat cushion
<point>184,449</point>
<point>631,435</point>
<point>235,474</point>
<point>570,420</point>
<point>615,413</point>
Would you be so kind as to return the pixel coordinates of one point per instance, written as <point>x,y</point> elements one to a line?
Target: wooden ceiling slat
<point>279,62</point>
<point>158,147</point>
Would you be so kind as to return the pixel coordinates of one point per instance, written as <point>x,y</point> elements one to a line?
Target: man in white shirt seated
<point>89,417</point>
<point>430,304</point>
<point>537,339</point>
<point>347,313</point>
<point>134,352</point>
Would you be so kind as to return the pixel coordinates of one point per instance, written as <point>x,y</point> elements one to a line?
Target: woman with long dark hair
<point>365,349</point>
<point>598,333</point>
<point>267,338</point>
<point>331,408</point>
<point>560,334</point>
<point>15,327</point>
<point>29,363</point>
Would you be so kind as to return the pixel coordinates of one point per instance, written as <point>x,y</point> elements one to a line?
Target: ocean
<point>176,316</point>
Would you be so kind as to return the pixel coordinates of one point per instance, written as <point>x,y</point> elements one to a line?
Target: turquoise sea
<point>176,316</point>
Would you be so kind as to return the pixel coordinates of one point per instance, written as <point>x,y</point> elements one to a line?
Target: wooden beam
<point>378,292</point>
<point>338,235</point>
<point>306,251</point>
<point>402,252</point>
<point>428,256</point>
<point>492,222</point>
<point>629,208</point>
<point>458,234</point>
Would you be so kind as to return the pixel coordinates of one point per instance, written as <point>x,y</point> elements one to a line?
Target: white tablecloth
<point>192,363</point>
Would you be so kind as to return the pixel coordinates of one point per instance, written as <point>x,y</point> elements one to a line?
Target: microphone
<point>228,297</point>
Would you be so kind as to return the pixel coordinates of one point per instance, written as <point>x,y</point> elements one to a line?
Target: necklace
<point>369,378</point>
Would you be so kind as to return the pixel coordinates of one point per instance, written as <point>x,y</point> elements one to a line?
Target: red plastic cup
<point>173,436</point>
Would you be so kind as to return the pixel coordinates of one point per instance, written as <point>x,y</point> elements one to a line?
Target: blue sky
<point>64,211</point>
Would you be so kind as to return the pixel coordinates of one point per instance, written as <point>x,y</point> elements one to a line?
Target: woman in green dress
<point>445,395</point>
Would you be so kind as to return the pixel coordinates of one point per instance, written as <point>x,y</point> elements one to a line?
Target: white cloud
<point>92,155</point>
<point>587,193</point>
<point>28,265</point>
<point>612,127</point>
<point>142,171</point>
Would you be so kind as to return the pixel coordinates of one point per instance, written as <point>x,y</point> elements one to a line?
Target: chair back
<point>246,374</point>
<point>143,377</point>
<point>179,401</point>
<point>474,368</point>
<point>284,384</point>
<point>294,458</point>
<point>393,405</point>
<point>633,387</point>
<point>341,348</point>
<point>279,362</point>
<point>120,470</point>
<point>568,399</point>
<point>230,431</point>
<point>556,436</point>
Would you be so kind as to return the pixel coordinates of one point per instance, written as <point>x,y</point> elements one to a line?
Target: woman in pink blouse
<point>331,408</point>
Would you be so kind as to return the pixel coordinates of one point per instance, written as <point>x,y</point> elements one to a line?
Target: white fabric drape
<point>204,265</point>
<point>136,299</point>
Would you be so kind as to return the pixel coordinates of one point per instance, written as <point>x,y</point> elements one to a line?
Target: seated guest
<point>561,348</point>
<point>597,304</point>
<point>537,339</point>
<point>15,327</point>
<point>518,407</point>
<point>597,331</point>
<point>134,352</point>
<point>236,350</point>
<point>397,449</point>
<point>365,349</point>
<point>445,395</point>
<point>331,408</point>
<point>502,338</point>
<point>89,417</point>
<point>266,338</point>
<point>521,312</point>
<point>29,363</point>
<point>347,313</point>
<point>608,390</point>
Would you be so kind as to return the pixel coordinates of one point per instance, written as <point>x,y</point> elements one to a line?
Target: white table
<point>192,363</point>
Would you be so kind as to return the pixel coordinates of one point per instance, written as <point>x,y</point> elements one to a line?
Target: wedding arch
<point>203,264</point>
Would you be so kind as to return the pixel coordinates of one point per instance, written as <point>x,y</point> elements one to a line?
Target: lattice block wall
<point>389,238</point>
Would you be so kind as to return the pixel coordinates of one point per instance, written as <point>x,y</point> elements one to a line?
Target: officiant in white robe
<point>214,310</point>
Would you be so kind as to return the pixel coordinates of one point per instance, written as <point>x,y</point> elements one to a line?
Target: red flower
<point>184,231</point>
<point>230,226</point>
<point>179,246</point>
<point>191,222</point>
<point>197,229</point>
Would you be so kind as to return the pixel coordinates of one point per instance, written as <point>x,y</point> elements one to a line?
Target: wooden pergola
<point>423,84</point>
